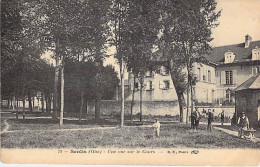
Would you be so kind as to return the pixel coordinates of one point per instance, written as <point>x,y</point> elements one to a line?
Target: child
<point>156,126</point>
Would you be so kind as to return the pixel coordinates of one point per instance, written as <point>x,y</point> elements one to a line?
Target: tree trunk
<point>141,97</point>
<point>181,101</point>
<point>30,101</point>
<point>188,103</point>
<point>122,94</point>
<point>23,99</point>
<point>191,96</point>
<point>97,108</point>
<point>8,103</point>
<point>47,103</point>
<point>55,96</point>
<point>33,102</point>
<point>17,103</point>
<point>42,100</point>
<point>177,82</point>
<point>86,108</point>
<point>133,98</point>
<point>23,108</point>
<point>81,105</point>
<point>62,93</point>
<point>14,102</point>
<point>38,102</point>
<point>17,109</point>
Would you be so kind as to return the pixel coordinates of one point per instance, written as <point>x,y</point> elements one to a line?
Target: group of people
<point>243,122</point>
<point>195,118</point>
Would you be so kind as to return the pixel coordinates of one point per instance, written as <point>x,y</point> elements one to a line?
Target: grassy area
<point>2,124</point>
<point>49,124</point>
<point>172,135</point>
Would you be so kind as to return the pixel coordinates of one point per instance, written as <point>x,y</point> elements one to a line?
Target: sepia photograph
<point>130,82</point>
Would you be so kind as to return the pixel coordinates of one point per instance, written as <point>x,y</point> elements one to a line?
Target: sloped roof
<point>241,53</point>
<point>251,83</point>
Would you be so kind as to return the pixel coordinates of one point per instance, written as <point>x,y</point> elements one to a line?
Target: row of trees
<point>180,30</point>
<point>83,29</point>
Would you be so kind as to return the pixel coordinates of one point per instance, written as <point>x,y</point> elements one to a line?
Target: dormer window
<point>164,70</point>
<point>256,53</point>
<point>229,57</point>
<point>149,73</point>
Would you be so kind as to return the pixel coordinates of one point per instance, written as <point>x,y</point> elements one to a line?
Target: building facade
<point>228,67</point>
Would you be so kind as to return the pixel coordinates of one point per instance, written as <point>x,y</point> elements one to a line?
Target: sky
<point>238,18</point>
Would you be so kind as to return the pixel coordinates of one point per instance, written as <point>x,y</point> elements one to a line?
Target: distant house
<point>227,67</point>
<point>234,64</point>
<point>247,97</point>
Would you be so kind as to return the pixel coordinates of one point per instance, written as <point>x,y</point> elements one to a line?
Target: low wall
<point>162,108</point>
<point>112,107</point>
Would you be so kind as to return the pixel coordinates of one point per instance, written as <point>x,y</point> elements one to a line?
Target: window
<point>204,77</point>
<point>229,57</point>
<point>149,85</point>
<point>229,77</point>
<point>209,76</point>
<point>228,95</point>
<point>256,53</point>
<point>149,73</point>
<point>164,84</point>
<point>164,71</point>
<point>254,71</point>
<point>136,85</point>
<point>199,74</point>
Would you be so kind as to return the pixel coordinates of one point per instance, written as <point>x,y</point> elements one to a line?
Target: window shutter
<point>153,85</point>
<point>161,84</point>
<point>132,86</point>
<point>147,86</point>
<point>223,77</point>
<point>213,77</point>
<point>234,76</point>
<point>139,86</point>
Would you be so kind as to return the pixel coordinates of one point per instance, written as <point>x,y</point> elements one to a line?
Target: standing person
<point>193,117</point>
<point>210,119</point>
<point>157,126</point>
<point>222,117</point>
<point>197,119</point>
<point>243,124</point>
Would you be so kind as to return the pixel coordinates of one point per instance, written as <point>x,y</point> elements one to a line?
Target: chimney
<point>248,39</point>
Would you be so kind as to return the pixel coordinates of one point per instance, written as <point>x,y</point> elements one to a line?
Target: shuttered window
<point>149,85</point>
<point>164,84</point>
<point>228,77</point>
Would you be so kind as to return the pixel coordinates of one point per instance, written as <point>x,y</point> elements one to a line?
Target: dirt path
<point>235,133</point>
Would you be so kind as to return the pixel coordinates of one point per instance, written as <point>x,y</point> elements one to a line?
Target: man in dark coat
<point>210,119</point>
<point>243,124</point>
<point>197,119</point>
<point>193,117</point>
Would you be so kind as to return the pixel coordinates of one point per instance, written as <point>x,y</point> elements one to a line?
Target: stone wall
<point>162,108</point>
<point>112,107</point>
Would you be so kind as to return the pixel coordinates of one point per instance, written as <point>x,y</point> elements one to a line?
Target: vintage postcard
<point>130,82</point>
